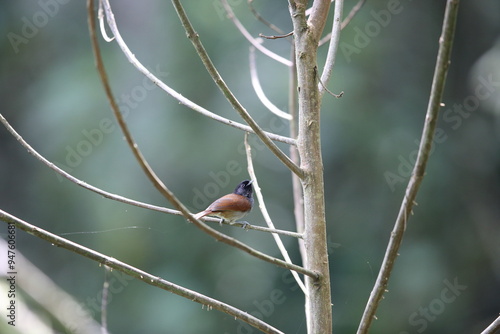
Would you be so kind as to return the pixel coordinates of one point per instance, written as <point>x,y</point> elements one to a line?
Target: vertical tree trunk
<point>318,301</point>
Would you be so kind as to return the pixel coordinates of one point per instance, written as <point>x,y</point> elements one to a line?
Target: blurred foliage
<point>52,95</point>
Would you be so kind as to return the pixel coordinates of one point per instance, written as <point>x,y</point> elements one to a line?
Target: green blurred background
<point>447,278</point>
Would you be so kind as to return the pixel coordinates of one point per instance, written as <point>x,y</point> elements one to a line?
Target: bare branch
<point>195,40</point>
<point>265,213</point>
<point>100,17</point>
<point>260,92</point>
<point>332,49</point>
<point>438,83</point>
<point>159,185</point>
<point>493,327</point>
<point>317,17</point>
<point>182,100</point>
<point>119,198</point>
<point>276,37</point>
<point>261,19</point>
<point>251,39</point>
<point>182,210</point>
<point>352,13</point>
<point>346,21</point>
<point>137,273</point>
<point>298,198</point>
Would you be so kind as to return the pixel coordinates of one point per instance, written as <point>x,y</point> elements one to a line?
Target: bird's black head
<point>244,189</point>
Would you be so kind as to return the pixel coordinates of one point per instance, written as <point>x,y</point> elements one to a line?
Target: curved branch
<point>332,48</point>
<point>160,186</point>
<point>265,213</point>
<point>424,151</point>
<point>260,92</point>
<point>182,100</point>
<point>137,273</point>
<point>182,209</point>
<point>195,40</point>
<point>251,39</point>
<point>122,199</point>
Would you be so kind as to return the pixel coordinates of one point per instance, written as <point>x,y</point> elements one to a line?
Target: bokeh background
<point>447,278</point>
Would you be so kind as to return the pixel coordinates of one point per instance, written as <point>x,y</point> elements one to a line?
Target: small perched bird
<point>231,206</point>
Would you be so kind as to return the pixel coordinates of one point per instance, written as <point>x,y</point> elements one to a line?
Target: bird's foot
<point>244,224</point>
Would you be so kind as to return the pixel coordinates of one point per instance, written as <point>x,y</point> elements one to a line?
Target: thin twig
<point>260,92</point>
<point>493,327</point>
<point>338,96</point>
<point>332,50</point>
<point>276,36</point>
<point>345,22</point>
<point>137,273</point>
<point>195,40</point>
<point>182,100</point>
<point>261,19</point>
<point>438,83</point>
<point>265,213</point>
<point>160,186</point>
<point>251,39</point>
<point>352,13</point>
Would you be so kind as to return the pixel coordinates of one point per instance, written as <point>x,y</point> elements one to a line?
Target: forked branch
<point>179,97</point>
<point>159,185</point>
<point>202,53</point>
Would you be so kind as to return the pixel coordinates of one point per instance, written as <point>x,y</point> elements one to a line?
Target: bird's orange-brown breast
<point>230,202</point>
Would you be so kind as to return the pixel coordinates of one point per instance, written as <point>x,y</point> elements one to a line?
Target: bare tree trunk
<point>306,34</point>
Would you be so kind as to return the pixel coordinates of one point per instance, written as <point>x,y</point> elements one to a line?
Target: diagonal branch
<point>263,20</point>
<point>195,40</point>
<point>424,151</point>
<point>182,209</point>
<point>251,39</point>
<point>122,199</point>
<point>493,327</point>
<point>345,21</point>
<point>182,100</point>
<point>137,273</point>
<point>160,186</point>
